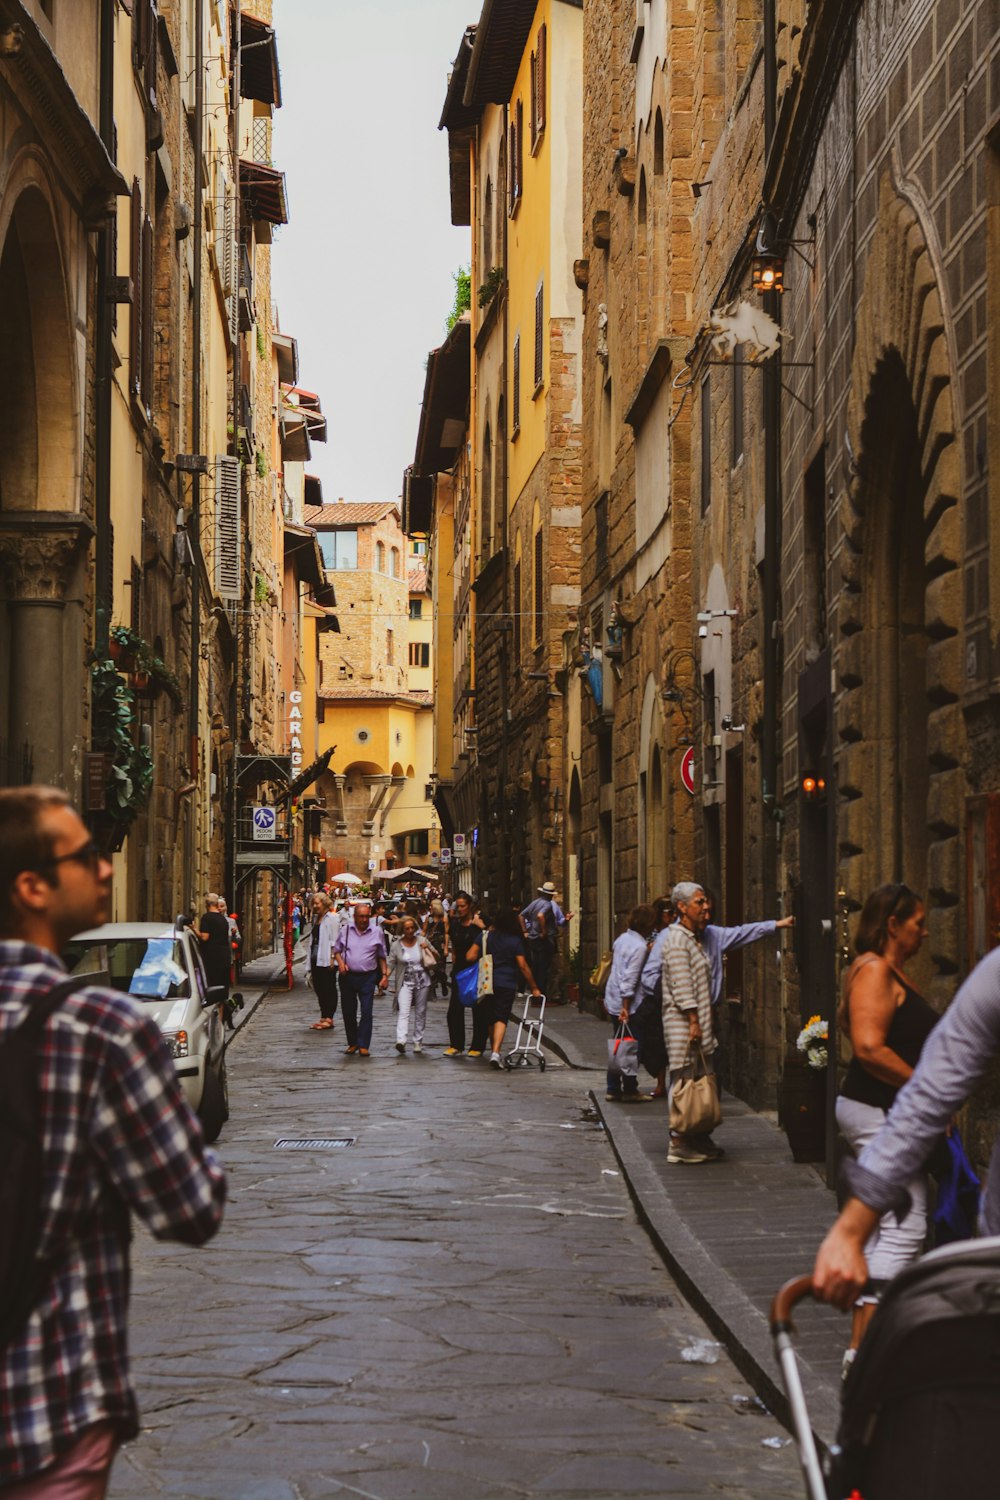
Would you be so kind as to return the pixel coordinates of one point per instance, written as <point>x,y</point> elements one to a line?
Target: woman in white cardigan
<point>411,971</point>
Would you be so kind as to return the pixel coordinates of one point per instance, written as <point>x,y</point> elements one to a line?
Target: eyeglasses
<point>89,854</point>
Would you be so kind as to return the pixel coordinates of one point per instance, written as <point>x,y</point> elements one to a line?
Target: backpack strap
<point>39,1010</point>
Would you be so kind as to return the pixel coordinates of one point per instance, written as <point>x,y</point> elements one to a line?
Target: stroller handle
<point>781,1308</point>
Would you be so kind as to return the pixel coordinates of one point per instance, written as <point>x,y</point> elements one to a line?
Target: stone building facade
<point>513,113</point>
<point>864,673</point>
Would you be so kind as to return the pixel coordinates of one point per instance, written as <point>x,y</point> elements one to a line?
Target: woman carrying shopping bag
<point>621,1000</point>
<point>412,961</point>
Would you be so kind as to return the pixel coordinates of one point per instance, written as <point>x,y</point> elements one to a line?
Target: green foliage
<point>490,287</point>
<point>575,965</point>
<point>463,295</point>
<point>261,592</point>
<point>261,343</point>
<point>130,777</point>
<point>261,464</point>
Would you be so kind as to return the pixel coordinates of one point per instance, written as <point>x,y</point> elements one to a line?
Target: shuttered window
<point>146,317</point>
<point>135,276</point>
<point>539,335</point>
<point>539,585</point>
<point>515,140</point>
<point>145,46</point>
<point>228,532</point>
<point>538,90</point>
<point>516,388</point>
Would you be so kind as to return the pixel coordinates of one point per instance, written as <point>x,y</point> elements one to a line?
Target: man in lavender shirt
<point>361,959</point>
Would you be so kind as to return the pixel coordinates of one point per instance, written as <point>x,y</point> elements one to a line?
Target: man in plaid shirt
<point>118,1136</point>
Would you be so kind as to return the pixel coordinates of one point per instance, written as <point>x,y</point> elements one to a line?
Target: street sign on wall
<point>445,856</point>
<point>264,820</point>
<point>687,770</point>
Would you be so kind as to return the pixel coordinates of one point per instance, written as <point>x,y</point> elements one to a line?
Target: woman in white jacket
<point>622,993</point>
<point>411,971</point>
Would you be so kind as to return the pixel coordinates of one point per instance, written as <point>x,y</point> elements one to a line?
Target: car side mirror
<point>216,994</point>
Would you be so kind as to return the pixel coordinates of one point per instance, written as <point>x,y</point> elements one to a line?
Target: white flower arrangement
<point>812,1040</point>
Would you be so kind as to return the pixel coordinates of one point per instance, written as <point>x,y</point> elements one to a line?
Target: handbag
<point>694,1098</point>
<point>484,982</point>
<point>623,1052</point>
<point>428,956</point>
<point>600,973</point>
<point>467,984</point>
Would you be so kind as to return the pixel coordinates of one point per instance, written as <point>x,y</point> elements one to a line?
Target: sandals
<point>325,1025</point>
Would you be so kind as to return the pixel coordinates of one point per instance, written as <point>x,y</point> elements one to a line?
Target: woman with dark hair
<point>888,1022</point>
<point>505,945</point>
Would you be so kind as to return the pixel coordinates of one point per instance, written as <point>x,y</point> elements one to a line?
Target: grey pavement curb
<point>569,1054</point>
<point>731,1316</point>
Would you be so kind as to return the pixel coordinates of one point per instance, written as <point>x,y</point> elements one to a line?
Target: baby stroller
<point>920,1403</point>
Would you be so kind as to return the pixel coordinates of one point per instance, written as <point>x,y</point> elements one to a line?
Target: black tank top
<point>911,1025</point>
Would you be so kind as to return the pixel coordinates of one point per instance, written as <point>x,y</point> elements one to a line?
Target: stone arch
<point>39,446</point>
<point>899,613</point>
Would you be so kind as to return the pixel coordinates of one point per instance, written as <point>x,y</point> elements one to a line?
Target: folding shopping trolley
<point>921,1403</point>
<point>530,1027</point>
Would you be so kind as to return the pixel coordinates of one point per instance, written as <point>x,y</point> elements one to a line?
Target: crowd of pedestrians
<point>415,950</point>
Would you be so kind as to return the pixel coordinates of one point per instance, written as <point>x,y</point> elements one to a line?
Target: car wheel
<point>214,1109</point>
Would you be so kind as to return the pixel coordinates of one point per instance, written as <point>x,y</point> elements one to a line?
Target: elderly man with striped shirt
<point>687,1006</point>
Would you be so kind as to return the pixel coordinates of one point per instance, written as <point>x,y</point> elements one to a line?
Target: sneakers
<point>401,1048</point>
<point>613,1098</point>
<point>636,1098</point>
<point>705,1144</point>
<point>452,1052</point>
<point>473,1053</point>
<point>418,1047</point>
<point>496,1061</point>
<point>681,1154</point>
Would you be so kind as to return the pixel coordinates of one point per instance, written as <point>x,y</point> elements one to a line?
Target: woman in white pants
<point>409,957</point>
<point>888,1022</point>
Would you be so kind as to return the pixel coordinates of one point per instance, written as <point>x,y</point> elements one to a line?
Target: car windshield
<point>149,968</point>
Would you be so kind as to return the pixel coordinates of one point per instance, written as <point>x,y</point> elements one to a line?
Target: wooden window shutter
<point>228,532</point>
<point>539,583</point>
<point>146,317</point>
<point>519,137</point>
<point>539,333</point>
<point>533,75</point>
<point>135,274</point>
<point>511,166</point>
<point>540,73</point>
<point>516,383</point>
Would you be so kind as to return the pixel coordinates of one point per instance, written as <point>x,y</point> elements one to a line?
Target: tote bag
<point>484,983</point>
<point>623,1053</point>
<point>467,984</point>
<point>694,1098</point>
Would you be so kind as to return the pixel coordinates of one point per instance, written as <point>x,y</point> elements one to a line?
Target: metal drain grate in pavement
<point>313,1143</point>
<point>643,1299</point>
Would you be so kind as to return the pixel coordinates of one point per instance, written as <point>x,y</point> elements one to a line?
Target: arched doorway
<point>42,533</point>
<point>899,654</point>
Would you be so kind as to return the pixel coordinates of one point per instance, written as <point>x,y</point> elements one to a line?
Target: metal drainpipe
<point>506,637</point>
<point>104,545</point>
<point>772,487</point>
<point>234,693</point>
<point>194,531</point>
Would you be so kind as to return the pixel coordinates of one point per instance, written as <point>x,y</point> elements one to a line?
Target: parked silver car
<point>160,967</point>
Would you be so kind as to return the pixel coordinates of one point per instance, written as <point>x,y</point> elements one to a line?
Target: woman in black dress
<point>216,954</point>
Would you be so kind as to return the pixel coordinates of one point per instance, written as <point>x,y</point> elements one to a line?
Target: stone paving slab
<point>731,1232</point>
<point>462,1305</point>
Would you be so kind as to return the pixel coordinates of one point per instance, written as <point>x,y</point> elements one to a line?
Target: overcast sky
<point>362,274</point>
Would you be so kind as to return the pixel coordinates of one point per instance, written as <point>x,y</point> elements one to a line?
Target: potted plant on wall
<point>125,646</point>
<point>574,973</point>
<point>129,766</point>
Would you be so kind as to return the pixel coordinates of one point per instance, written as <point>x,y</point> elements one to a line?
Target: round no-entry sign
<point>687,770</point>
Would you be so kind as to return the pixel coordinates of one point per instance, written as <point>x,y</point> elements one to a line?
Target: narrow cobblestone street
<point>462,1304</point>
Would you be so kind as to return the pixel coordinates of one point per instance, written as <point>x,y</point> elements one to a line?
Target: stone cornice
<point>38,552</point>
<point>38,82</point>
